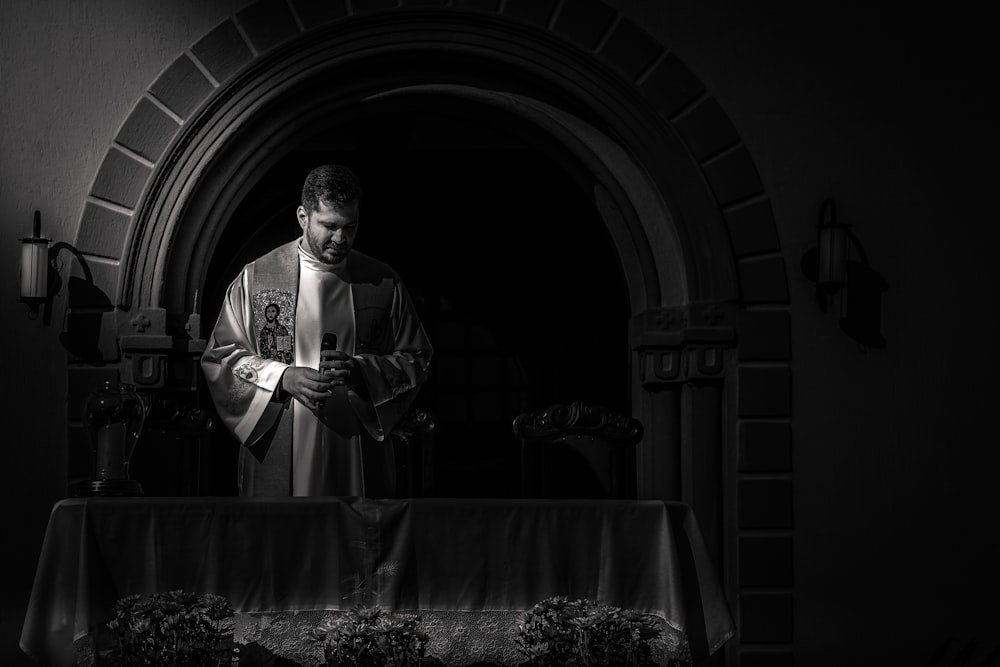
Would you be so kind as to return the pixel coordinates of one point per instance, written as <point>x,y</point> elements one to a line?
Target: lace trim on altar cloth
<point>457,638</point>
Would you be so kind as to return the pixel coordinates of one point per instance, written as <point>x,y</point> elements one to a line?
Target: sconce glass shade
<point>35,265</point>
<point>114,415</point>
<point>831,259</point>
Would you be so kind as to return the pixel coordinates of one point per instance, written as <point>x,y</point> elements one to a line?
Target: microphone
<point>338,416</point>
<point>329,342</point>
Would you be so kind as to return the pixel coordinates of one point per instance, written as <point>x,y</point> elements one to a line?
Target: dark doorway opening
<point>514,273</point>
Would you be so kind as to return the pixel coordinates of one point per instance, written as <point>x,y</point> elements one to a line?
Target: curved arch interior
<point>512,268</point>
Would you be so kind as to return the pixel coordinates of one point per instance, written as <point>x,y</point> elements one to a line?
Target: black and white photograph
<point>486,333</point>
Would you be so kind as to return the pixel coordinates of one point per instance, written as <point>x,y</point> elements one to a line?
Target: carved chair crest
<point>577,421</point>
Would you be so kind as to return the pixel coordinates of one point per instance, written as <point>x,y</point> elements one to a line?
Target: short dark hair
<point>331,184</point>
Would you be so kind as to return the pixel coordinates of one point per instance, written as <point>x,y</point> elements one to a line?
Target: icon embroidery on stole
<point>274,321</point>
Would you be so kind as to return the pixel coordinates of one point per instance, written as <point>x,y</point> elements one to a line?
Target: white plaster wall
<point>70,73</point>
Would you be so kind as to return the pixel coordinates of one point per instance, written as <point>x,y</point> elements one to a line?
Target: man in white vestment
<point>316,421</point>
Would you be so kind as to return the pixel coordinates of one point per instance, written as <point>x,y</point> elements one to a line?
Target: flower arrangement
<point>560,631</point>
<point>368,637</point>
<point>171,628</point>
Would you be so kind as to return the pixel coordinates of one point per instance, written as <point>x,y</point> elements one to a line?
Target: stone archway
<point>676,187</point>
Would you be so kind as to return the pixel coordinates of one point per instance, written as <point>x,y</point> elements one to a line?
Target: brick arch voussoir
<point>660,75</point>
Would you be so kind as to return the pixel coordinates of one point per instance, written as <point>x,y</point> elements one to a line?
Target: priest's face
<point>329,231</point>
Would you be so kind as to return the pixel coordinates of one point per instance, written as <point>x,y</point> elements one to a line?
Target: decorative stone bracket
<point>152,358</point>
<point>680,345</point>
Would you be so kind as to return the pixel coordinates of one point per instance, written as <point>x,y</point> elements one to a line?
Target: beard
<point>330,253</point>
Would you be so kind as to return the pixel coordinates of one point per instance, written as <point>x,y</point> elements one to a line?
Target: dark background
<point>890,110</point>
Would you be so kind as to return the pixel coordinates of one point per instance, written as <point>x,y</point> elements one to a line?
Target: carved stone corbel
<point>145,345</point>
<point>681,345</point>
<point>156,355</point>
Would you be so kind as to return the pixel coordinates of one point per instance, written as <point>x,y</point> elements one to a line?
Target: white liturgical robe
<point>274,315</point>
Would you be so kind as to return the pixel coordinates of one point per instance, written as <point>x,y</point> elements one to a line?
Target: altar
<point>474,562</point>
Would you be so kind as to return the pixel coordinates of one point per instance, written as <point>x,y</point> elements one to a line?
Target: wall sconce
<point>831,267</point>
<point>40,280</point>
<point>35,267</point>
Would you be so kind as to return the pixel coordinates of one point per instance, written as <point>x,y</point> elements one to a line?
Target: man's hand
<point>306,385</point>
<point>340,368</point>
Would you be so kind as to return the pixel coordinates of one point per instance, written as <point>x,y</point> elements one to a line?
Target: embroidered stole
<point>266,466</point>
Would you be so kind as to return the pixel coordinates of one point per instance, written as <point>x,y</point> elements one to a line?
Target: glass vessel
<point>114,415</point>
